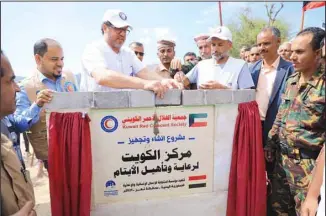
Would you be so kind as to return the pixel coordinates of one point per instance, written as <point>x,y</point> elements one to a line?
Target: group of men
<point>290,94</point>
<point>250,54</point>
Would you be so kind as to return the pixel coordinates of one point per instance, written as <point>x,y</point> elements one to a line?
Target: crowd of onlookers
<point>288,77</point>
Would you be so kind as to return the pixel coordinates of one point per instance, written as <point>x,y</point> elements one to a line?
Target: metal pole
<point>220,11</point>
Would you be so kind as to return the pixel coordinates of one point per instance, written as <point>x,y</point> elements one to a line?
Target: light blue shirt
<point>28,113</point>
<point>207,70</point>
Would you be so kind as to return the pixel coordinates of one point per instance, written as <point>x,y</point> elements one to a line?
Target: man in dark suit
<point>269,75</point>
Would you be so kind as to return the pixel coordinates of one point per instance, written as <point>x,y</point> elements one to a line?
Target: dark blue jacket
<point>284,70</point>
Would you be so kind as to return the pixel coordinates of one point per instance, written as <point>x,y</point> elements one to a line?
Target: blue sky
<point>74,24</point>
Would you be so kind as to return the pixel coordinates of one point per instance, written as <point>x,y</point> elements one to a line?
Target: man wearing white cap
<point>203,46</point>
<point>221,71</point>
<point>108,66</point>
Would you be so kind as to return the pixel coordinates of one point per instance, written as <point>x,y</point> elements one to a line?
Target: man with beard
<point>110,67</point>
<point>37,90</point>
<point>17,194</point>
<point>203,46</point>
<point>221,71</point>
<point>299,130</point>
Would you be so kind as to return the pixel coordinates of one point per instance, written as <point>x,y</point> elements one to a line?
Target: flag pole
<point>220,11</point>
<point>302,20</point>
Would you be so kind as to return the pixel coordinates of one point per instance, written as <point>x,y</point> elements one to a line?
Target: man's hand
<point>309,207</point>
<point>44,96</point>
<point>179,76</point>
<point>172,84</point>
<point>212,85</point>
<point>176,64</point>
<point>155,86</point>
<point>269,155</point>
<point>27,210</point>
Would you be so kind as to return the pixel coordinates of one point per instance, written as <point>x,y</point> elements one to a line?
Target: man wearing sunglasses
<point>138,48</point>
<point>110,67</point>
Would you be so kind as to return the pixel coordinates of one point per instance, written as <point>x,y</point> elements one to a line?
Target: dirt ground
<point>41,185</point>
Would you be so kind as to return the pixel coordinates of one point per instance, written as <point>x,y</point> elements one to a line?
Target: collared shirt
<point>100,55</point>
<point>265,87</point>
<point>301,120</point>
<point>162,71</point>
<point>207,70</point>
<point>28,111</point>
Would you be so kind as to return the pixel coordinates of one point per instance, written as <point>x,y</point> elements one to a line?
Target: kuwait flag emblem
<point>197,181</point>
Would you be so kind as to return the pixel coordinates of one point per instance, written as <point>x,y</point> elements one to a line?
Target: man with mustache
<point>269,75</point>
<point>204,46</point>
<point>108,66</point>
<point>37,89</point>
<point>221,71</point>
<point>299,130</point>
<point>166,53</point>
<point>17,194</point>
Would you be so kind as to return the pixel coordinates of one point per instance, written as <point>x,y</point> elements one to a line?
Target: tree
<point>271,14</point>
<point>246,28</point>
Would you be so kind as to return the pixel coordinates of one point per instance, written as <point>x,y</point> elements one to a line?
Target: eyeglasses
<point>140,53</point>
<point>120,30</point>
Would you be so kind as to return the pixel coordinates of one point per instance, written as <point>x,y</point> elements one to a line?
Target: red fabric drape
<point>247,182</point>
<point>70,164</point>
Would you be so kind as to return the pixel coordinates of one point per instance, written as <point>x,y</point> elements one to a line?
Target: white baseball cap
<point>221,32</point>
<point>116,18</point>
<point>201,37</point>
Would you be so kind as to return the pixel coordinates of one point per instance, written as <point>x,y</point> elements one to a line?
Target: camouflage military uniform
<point>297,136</point>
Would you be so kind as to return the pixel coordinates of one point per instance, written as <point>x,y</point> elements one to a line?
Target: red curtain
<point>247,193</point>
<point>70,164</point>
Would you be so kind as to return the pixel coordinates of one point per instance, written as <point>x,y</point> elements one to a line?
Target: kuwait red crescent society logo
<point>70,87</point>
<point>109,124</point>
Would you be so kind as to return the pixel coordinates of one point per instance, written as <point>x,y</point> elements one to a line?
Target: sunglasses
<point>140,53</point>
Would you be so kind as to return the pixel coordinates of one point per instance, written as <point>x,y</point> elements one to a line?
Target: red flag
<point>307,5</point>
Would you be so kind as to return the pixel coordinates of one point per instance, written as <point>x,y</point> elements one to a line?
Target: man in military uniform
<point>298,133</point>
<point>16,187</point>
<point>166,53</point>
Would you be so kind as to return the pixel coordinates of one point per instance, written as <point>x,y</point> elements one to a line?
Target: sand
<point>41,185</point>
